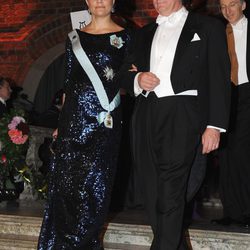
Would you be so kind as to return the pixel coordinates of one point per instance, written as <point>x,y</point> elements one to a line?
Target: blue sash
<point>84,61</point>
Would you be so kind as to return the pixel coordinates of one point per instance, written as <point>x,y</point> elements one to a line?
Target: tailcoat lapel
<point>248,49</point>
<point>186,36</point>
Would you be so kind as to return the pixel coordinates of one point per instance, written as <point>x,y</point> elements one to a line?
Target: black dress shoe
<point>225,221</point>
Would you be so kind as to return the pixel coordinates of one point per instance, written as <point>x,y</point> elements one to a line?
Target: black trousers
<point>235,157</point>
<point>165,140</point>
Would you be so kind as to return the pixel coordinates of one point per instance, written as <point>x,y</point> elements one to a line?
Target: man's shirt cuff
<point>137,88</point>
<point>222,130</point>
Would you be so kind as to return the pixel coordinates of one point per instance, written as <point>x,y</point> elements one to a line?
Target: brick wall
<point>28,28</point>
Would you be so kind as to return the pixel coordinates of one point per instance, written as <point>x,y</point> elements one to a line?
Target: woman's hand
<point>54,134</point>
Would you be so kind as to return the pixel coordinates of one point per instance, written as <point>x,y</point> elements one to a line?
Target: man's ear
<point>244,5</point>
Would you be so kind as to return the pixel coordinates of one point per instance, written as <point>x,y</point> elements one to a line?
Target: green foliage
<point>14,142</point>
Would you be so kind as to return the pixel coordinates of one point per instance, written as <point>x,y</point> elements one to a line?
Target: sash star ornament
<point>108,73</point>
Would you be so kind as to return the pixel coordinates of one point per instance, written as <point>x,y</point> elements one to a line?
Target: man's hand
<point>210,140</point>
<point>148,81</point>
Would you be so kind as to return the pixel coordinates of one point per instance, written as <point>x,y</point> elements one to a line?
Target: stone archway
<point>38,68</point>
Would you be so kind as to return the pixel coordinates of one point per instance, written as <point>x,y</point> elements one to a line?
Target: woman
<point>84,163</point>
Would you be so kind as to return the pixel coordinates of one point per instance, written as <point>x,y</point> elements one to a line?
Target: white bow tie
<point>162,19</point>
<point>172,18</point>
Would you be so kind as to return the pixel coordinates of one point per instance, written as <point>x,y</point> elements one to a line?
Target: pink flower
<point>19,139</point>
<point>15,121</point>
<point>14,133</point>
<point>17,136</point>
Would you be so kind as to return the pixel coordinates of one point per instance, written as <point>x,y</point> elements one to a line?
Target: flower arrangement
<point>14,142</point>
<point>14,133</point>
<point>18,130</point>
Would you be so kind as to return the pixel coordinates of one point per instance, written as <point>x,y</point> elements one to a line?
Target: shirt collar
<point>172,18</point>
<point>2,101</point>
<point>240,24</point>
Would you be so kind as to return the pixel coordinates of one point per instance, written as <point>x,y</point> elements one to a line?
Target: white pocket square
<point>195,38</point>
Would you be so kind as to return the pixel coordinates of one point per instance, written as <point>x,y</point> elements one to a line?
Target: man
<point>5,92</point>
<point>235,160</point>
<point>183,82</point>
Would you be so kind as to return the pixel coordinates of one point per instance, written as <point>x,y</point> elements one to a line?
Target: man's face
<point>5,91</point>
<point>166,7</point>
<point>232,10</point>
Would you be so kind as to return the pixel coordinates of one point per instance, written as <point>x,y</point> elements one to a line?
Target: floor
<point>201,216</point>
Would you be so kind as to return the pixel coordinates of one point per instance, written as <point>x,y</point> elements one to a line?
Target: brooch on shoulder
<point>116,41</point>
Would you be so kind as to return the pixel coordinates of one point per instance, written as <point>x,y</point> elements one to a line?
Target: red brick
<point>31,27</point>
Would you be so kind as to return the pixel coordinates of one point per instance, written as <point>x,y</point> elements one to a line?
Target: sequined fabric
<point>84,164</point>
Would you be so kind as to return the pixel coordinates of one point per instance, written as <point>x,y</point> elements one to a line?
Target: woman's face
<point>100,7</point>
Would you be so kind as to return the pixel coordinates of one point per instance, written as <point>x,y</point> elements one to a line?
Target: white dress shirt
<point>163,50</point>
<point>240,37</point>
<point>162,55</point>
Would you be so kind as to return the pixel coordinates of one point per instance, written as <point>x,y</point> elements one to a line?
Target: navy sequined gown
<point>84,164</point>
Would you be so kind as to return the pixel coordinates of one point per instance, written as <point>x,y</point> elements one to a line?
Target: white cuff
<point>137,88</point>
<point>222,130</point>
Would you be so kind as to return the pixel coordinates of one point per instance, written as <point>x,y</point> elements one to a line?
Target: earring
<point>113,9</point>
